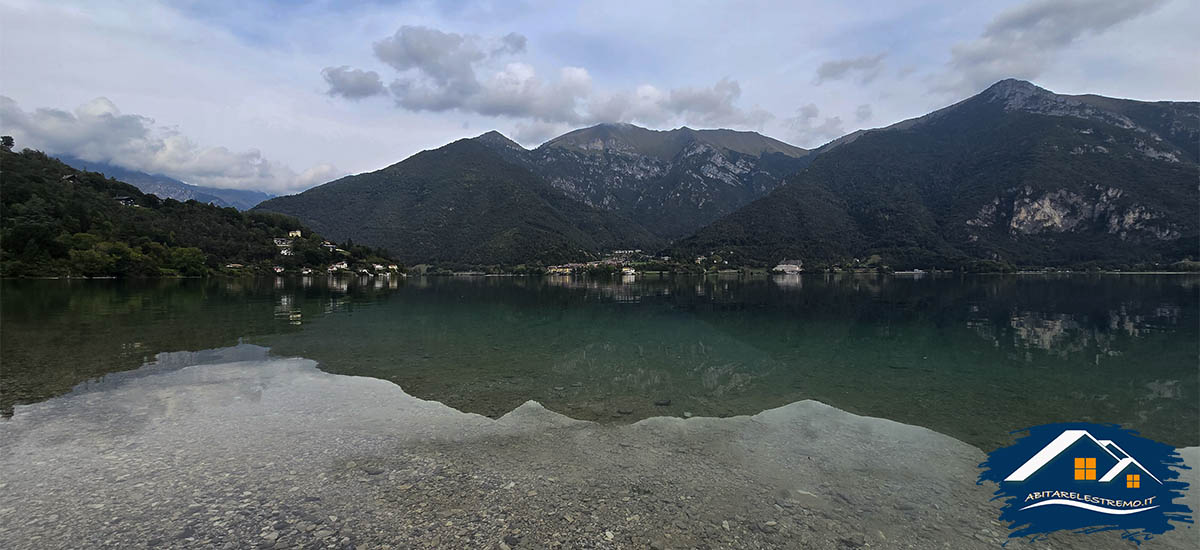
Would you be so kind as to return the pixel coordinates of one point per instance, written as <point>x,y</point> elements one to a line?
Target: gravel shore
<point>237,449</point>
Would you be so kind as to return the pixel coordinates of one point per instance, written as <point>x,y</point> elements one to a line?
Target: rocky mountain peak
<point>495,139</point>
<point>665,145</point>
<point>1021,95</point>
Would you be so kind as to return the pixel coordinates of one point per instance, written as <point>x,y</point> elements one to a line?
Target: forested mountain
<point>170,188</point>
<point>462,204</point>
<point>59,221</point>
<point>1014,176</point>
<point>671,182</point>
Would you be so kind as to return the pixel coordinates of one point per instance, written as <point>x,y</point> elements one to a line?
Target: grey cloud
<point>515,91</point>
<point>511,43</point>
<point>867,67</point>
<point>415,94</point>
<point>806,131</point>
<point>447,59</point>
<point>1021,42</point>
<point>536,132</point>
<point>644,104</point>
<point>712,106</point>
<point>715,105</point>
<point>352,83</point>
<point>441,71</point>
<point>518,92</point>
<point>863,113</point>
<point>97,131</point>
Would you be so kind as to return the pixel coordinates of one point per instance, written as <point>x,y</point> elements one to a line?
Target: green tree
<point>188,261</point>
<point>92,263</point>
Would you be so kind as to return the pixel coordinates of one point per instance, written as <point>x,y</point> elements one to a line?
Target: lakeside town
<point>628,263</point>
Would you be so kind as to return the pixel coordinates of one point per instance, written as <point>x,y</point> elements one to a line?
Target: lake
<point>971,357</point>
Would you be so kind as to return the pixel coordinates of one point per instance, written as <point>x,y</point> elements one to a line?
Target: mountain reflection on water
<point>973,357</point>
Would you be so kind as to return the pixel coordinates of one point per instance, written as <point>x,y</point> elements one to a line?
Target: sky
<point>284,95</point>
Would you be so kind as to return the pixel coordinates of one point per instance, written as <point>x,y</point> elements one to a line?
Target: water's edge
<point>233,445</point>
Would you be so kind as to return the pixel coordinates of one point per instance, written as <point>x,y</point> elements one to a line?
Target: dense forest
<point>59,221</point>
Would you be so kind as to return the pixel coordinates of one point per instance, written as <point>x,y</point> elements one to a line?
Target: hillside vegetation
<point>59,221</point>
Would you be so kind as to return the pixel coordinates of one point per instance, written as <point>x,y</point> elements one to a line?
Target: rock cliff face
<point>1016,174</point>
<point>1027,212</point>
<point>670,182</point>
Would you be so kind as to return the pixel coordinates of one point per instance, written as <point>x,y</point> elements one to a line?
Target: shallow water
<point>233,448</point>
<point>974,358</point>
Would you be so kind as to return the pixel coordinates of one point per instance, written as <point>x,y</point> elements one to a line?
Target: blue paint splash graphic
<point>1088,478</point>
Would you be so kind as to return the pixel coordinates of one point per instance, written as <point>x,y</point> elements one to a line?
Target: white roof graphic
<point>1068,438</point>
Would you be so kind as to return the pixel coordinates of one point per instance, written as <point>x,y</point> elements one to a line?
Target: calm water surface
<point>971,357</point>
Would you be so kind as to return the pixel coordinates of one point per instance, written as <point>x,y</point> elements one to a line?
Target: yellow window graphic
<point>1133,481</point>
<point>1085,469</point>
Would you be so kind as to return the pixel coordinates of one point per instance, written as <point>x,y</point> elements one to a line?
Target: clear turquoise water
<point>973,357</point>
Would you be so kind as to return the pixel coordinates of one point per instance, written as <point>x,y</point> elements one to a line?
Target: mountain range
<point>169,188</point>
<point>671,182</point>
<point>487,200</point>
<point>462,204</point>
<point>1014,176</point>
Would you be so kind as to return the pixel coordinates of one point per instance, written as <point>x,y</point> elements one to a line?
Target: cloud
<point>511,43</point>
<point>537,132</point>
<point>868,67</point>
<point>806,131</point>
<point>862,113</point>
<point>317,175</point>
<point>352,83</point>
<point>1022,42</point>
<point>447,60</point>
<point>444,71</point>
<point>517,92</point>
<point>97,131</point>
<point>714,106</point>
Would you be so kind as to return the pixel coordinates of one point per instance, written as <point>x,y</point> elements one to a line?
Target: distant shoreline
<point>656,274</point>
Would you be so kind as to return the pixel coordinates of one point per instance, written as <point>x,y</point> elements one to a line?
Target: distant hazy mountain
<point>1016,174</point>
<point>462,204</point>
<point>670,182</point>
<point>169,188</point>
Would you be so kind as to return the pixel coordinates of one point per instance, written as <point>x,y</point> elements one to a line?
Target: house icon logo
<point>1087,478</point>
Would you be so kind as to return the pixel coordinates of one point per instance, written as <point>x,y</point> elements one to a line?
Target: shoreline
<point>656,274</point>
<point>236,446</point>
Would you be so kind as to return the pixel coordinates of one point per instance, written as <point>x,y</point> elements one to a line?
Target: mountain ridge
<point>1015,175</point>
<point>667,144</point>
<point>461,204</point>
<point>670,182</point>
